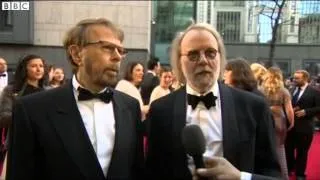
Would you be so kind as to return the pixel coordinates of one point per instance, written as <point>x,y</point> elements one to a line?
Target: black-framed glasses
<point>195,55</point>
<point>109,47</point>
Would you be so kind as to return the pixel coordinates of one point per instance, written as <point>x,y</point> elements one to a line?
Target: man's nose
<point>116,55</point>
<point>203,59</point>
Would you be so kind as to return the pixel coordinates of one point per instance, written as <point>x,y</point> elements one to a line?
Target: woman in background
<point>280,104</point>
<point>164,87</point>
<point>28,79</point>
<point>175,83</point>
<point>131,82</point>
<point>238,74</point>
<point>58,78</point>
<point>259,71</point>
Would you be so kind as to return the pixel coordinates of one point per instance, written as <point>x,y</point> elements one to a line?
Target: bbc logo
<point>15,5</point>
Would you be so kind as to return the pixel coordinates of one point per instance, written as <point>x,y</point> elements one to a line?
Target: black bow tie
<point>105,96</point>
<point>3,75</point>
<point>209,100</point>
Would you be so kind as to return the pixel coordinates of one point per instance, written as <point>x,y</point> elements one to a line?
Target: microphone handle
<point>198,162</point>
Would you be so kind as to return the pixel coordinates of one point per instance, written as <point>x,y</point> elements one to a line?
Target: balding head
<point>3,65</point>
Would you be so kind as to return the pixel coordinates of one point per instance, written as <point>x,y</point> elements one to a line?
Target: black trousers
<point>300,143</point>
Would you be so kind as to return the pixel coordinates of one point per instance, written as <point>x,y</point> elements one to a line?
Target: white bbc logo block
<point>15,5</point>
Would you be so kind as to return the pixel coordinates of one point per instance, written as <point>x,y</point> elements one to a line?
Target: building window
<point>250,20</point>
<point>6,23</point>
<point>172,17</point>
<point>285,68</point>
<point>233,3</point>
<point>312,66</point>
<point>292,22</point>
<point>283,64</point>
<point>228,24</point>
<point>209,12</point>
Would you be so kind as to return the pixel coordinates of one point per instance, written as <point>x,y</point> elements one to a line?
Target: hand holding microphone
<point>217,168</point>
<point>195,145</point>
<point>220,169</point>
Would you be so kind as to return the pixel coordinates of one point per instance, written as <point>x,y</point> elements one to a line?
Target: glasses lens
<point>122,51</point>
<point>210,53</point>
<point>111,48</point>
<point>194,55</point>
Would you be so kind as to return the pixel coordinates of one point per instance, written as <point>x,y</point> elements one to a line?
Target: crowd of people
<point>97,126</point>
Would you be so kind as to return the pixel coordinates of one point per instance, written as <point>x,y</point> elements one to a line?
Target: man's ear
<point>75,52</point>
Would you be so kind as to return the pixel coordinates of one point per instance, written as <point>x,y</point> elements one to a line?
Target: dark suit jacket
<point>310,102</point>
<point>248,135</point>
<point>149,82</point>
<point>10,77</point>
<point>49,140</point>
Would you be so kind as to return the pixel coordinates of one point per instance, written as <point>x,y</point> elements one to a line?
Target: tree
<point>274,12</point>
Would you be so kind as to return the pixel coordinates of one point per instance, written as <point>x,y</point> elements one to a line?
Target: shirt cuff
<point>245,176</point>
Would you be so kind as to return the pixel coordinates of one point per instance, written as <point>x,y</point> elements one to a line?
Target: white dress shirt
<point>3,81</point>
<point>303,88</point>
<point>152,72</point>
<point>210,122</point>
<point>99,121</point>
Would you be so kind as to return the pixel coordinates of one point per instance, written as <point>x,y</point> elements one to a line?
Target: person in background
<point>150,80</point>
<point>306,105</point>
<point>288,83</point>
<point>163,88</point>
<point>85,130</point>
<point>238,74</point>
<point>279,100</point>
<point>49,70</point>
<point>237,125</point>
<point>130,84</point>
<point>258,71</point>
<point>5,77</point>
<point>28,79</point>
<point>58,78</point>
<point>175,83</point>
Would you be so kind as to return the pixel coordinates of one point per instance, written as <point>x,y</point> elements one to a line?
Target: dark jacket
<point>248,135</point>
<point>149,82</point>
<point>49,140</point>
<point>7,100</point>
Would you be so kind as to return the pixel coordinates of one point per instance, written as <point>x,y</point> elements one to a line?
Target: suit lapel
<point>121,137</point>
<point>305,93</point>
<point>69,126</point>
<point>180,111</point>
<point>229,122</point>
<point>229,125</point>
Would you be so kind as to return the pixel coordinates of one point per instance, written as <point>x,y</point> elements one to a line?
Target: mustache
<point>198,71</point>
<point>113,68</point>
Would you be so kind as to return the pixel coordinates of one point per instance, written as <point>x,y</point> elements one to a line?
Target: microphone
<point>195,144</point>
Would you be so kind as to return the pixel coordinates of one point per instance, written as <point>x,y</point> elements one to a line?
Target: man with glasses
<point>84,130</point>
<point>237,126</point>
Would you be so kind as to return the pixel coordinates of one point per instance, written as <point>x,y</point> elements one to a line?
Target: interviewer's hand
<point>218,168</point>
<point>291,126</point>
<point>300,113</point>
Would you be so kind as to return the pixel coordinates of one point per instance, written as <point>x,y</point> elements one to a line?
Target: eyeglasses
<point>195,55</point>
<point>109,47</point>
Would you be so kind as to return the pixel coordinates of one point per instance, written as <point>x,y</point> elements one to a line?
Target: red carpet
<point>313,167</point>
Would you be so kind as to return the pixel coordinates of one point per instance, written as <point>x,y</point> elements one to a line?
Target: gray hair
<point>176,48</point>
<point>78,35</point>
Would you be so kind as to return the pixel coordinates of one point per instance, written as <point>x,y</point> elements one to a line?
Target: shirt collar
<point>304,86</point>
<point>214,89</point>
<point>149,71</point>
<point>6,73</point>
